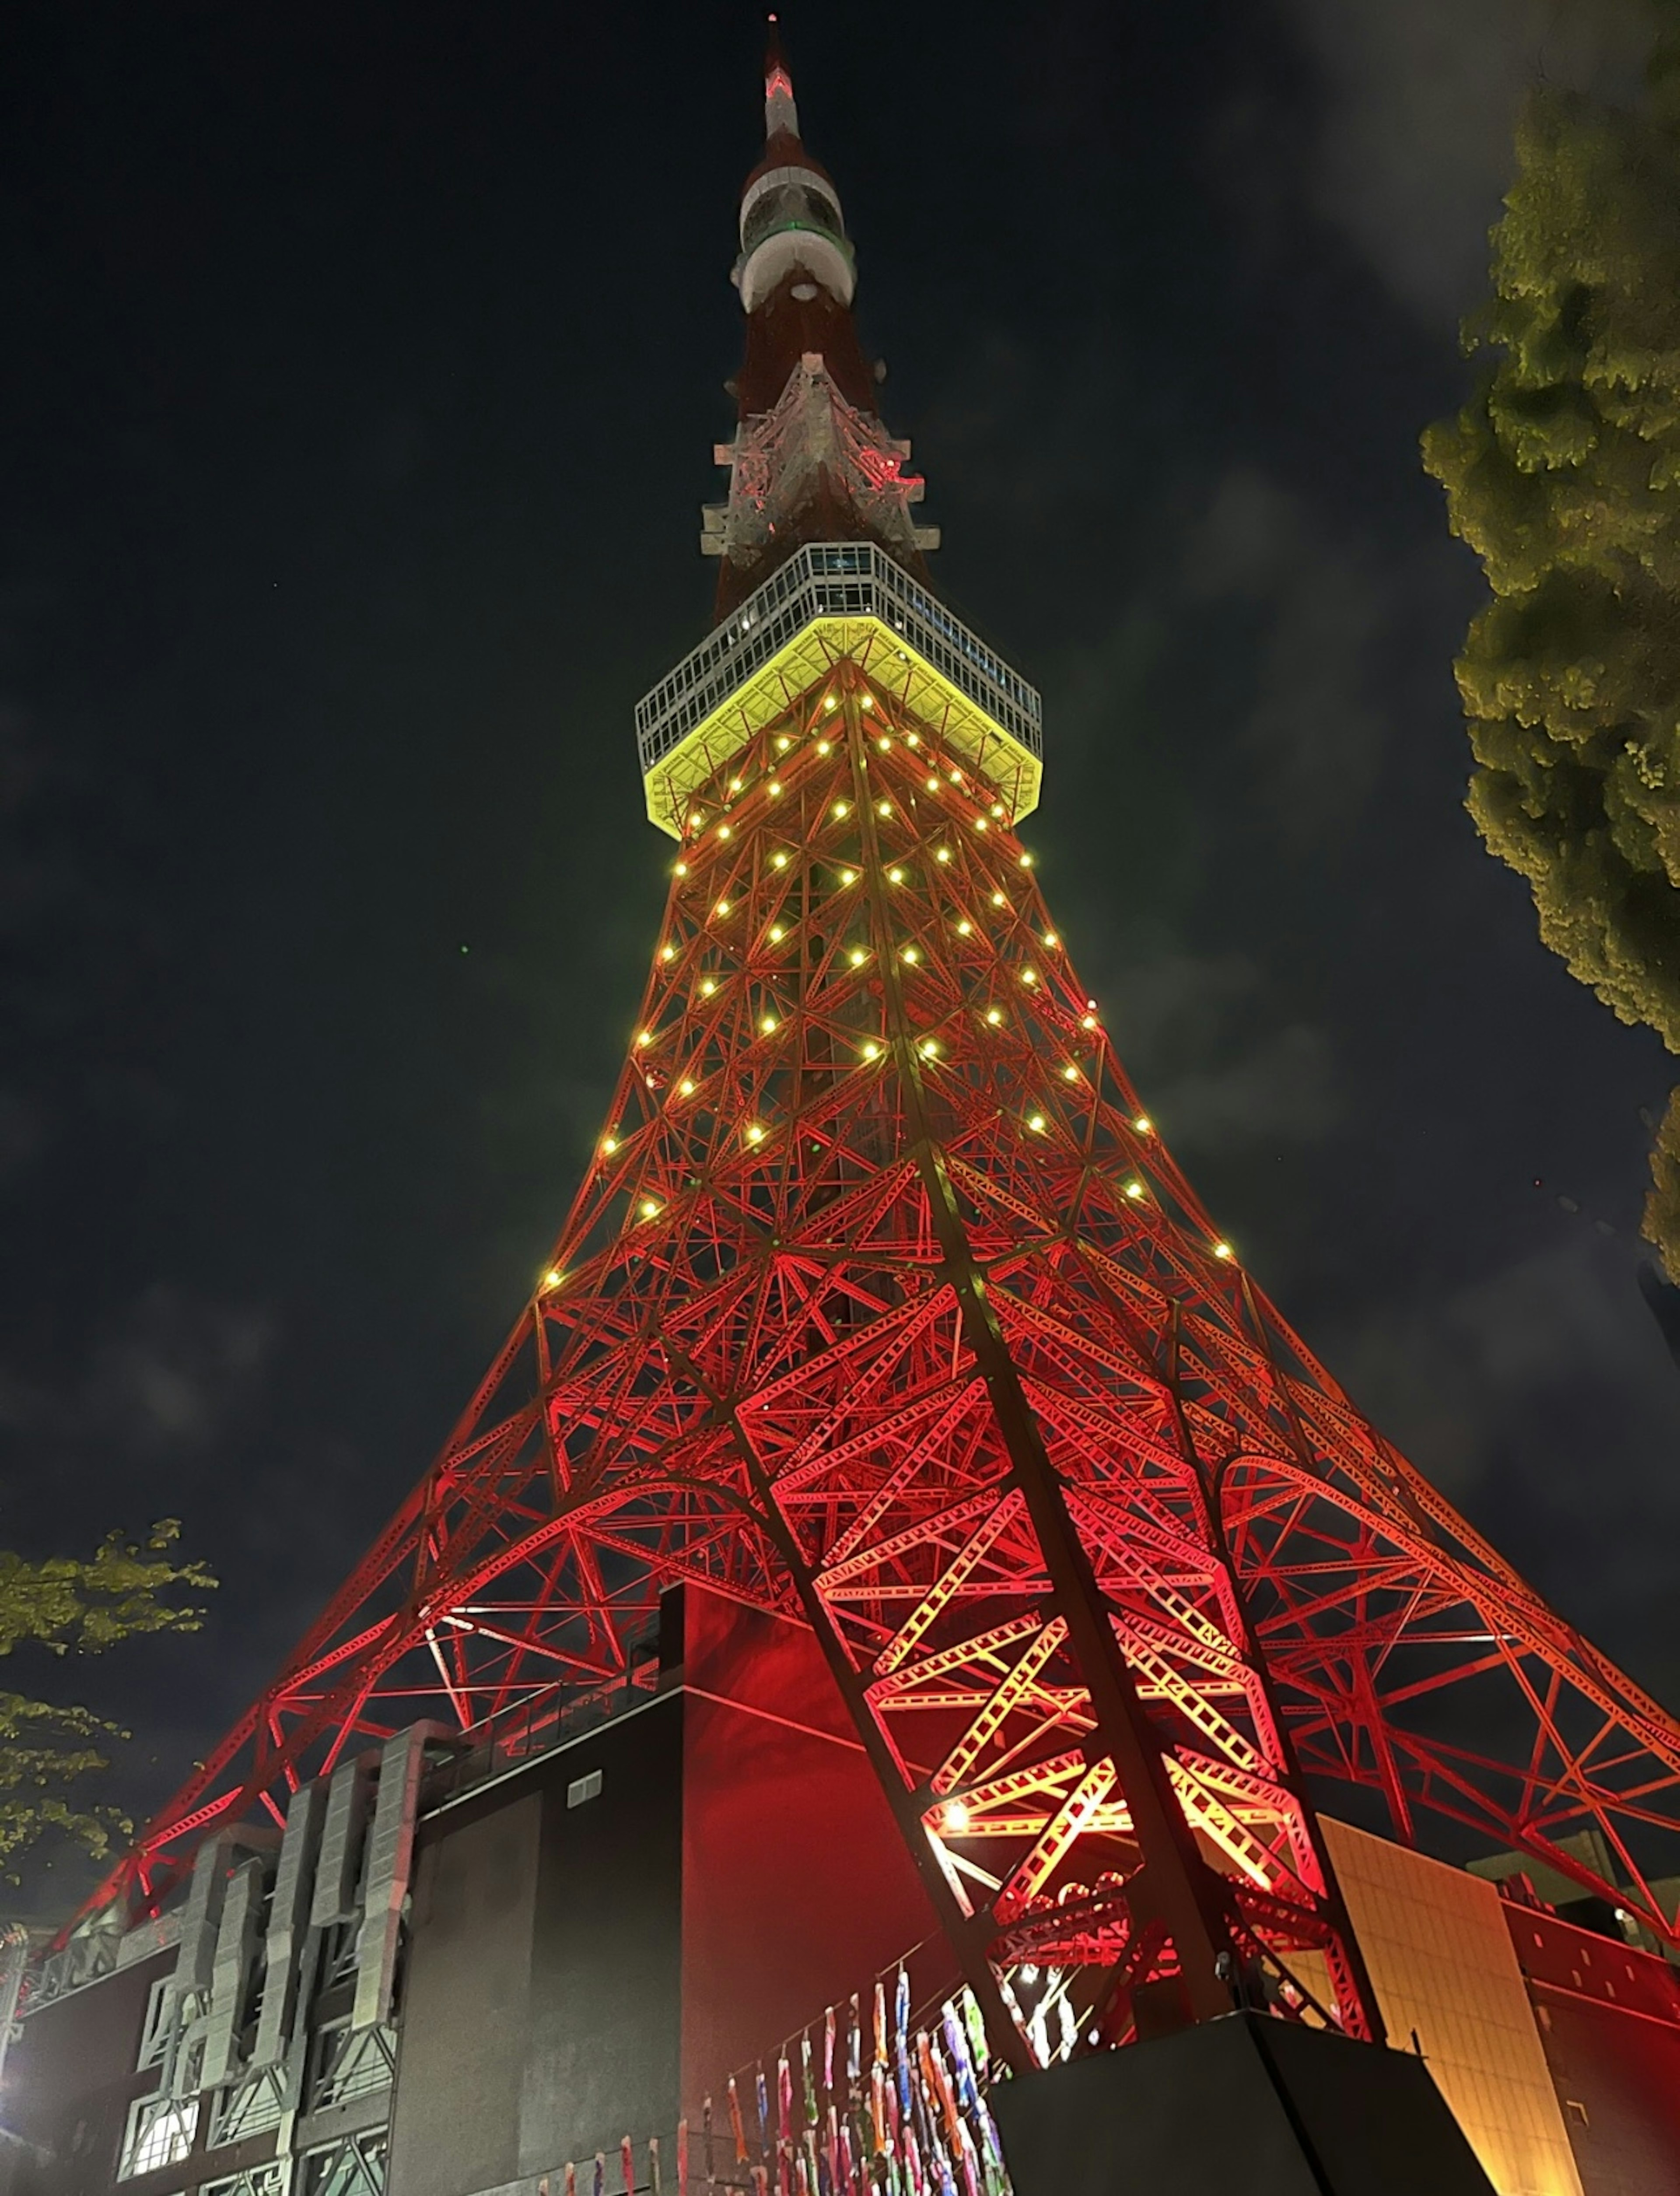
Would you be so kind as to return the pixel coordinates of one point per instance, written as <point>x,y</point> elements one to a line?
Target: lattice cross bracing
<point>883,1304</point>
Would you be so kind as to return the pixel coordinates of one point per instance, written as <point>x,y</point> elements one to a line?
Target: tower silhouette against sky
<point>883,1306</point>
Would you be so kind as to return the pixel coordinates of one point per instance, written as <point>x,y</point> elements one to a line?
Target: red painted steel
<point>883,1304</point>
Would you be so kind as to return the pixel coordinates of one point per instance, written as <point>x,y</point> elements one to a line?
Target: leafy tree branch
<point>81,1605</point>
<point>1563,474</point>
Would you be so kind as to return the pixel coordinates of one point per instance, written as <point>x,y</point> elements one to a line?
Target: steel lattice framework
<point>884,1305</point>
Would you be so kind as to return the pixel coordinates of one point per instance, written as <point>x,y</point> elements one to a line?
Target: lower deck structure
<point>642,1940</point>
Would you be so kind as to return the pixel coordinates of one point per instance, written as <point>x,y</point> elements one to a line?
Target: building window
<point>349,2063</point>
<point>584,1788</point>
<point>160,2132</point>
<point>154,2032</point>
<point>354,2167</point>
<point>250,2106</point>
<point>267,2179</point>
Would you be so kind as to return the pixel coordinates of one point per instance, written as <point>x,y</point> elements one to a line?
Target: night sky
<point>361,372</point>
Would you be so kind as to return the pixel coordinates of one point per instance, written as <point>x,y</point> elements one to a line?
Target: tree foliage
<point>1563,474</point>
<point>74,1606</point>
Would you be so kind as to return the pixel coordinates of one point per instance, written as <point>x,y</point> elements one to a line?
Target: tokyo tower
<point>884,1307</point>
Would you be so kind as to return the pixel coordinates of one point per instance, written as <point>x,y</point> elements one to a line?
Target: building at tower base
<point>605,1908</point>
<point>469,1962</point>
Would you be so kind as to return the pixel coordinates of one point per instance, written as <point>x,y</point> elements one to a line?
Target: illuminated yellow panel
<point>792,676</point>
<point>1443,1967</point>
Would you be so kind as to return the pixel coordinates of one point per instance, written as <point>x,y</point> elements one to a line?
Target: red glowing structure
<point>883,1304</point>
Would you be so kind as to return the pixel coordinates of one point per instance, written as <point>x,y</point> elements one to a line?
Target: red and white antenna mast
<point>810,459</point>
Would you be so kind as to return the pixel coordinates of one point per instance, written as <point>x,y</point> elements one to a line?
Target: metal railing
<point>833,579</point>
<point>552,1719</point>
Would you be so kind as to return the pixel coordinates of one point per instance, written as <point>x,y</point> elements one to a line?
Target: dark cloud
<point>23,1133</point>
<point>1323,603</point>
<point>1540,1396</point>
<point>1281,1090</point>
<point>1414,148</point>
<point>168,1380</point>
<point>1039,434</point>
<point>178,1374</point>
<point>1218,1068</point>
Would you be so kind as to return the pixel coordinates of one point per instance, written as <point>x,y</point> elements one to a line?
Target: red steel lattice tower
<point>884,1305</point>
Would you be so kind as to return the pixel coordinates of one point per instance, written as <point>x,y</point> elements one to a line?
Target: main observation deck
<point>830,599</point>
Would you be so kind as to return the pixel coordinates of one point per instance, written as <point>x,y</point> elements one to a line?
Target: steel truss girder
<point>882,1304</point>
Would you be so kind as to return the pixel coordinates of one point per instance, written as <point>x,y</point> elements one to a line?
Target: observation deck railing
<point>832,578</point>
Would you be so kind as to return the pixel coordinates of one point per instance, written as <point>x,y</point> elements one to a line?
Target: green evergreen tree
<point>1563,474</point>
<point>68,1605</point>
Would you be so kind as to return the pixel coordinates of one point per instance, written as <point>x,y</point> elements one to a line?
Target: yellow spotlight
<point>956,777</point>
<point>1143,1124</point>
<point>723,830</point>
<point>933,785</point>
<point>823,745</point>
<point>1135,1189</point>
<point>980,822</point>
<point>953,1819</point>
<point>883,808</point>
<point>842,808</point>
<point>997,808</point>
<point>668,953</point>
<point>868,701</point>
<point>848,876</point>
<point>909,954</point>
<point>1221,1250</point>
<point>871,1050</point>
<point>1070,1073</point>
<point>755,1133</point>
<point>776,934</point>
<point>912,739</point>
<point>778,860</point>
<point>1036,1122</point>
<point>681,870</point>
<point>998,900</point>
<point>994,1015</point>
<point>644,1037</point>
<point>649,1207</point>
<point>610,1144</point>
<point>735,785</point>
<point>1026,861</point>
<point>895,877</point>
<point>706,987</point>
<point>784,744</point>
<point>1028,976</point>
<point>883,744</point>
<point>857,956</point>
<point>941,854</point>
<point>828,701</point>
<point>723,907</point>
<point>1051,939</point>
<point>1088,1021</point>
<point>964,928</point>
<point>768,1024</point>
<point>774,789</point>
<point>552,1278</point>
<point>686,1087</point>
<point>695,820</point>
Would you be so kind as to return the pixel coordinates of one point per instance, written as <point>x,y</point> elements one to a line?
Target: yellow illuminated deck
<point>893,667</point>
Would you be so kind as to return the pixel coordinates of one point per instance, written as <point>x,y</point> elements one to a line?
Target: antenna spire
<point>781,114</point>
<point>811,460</point>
